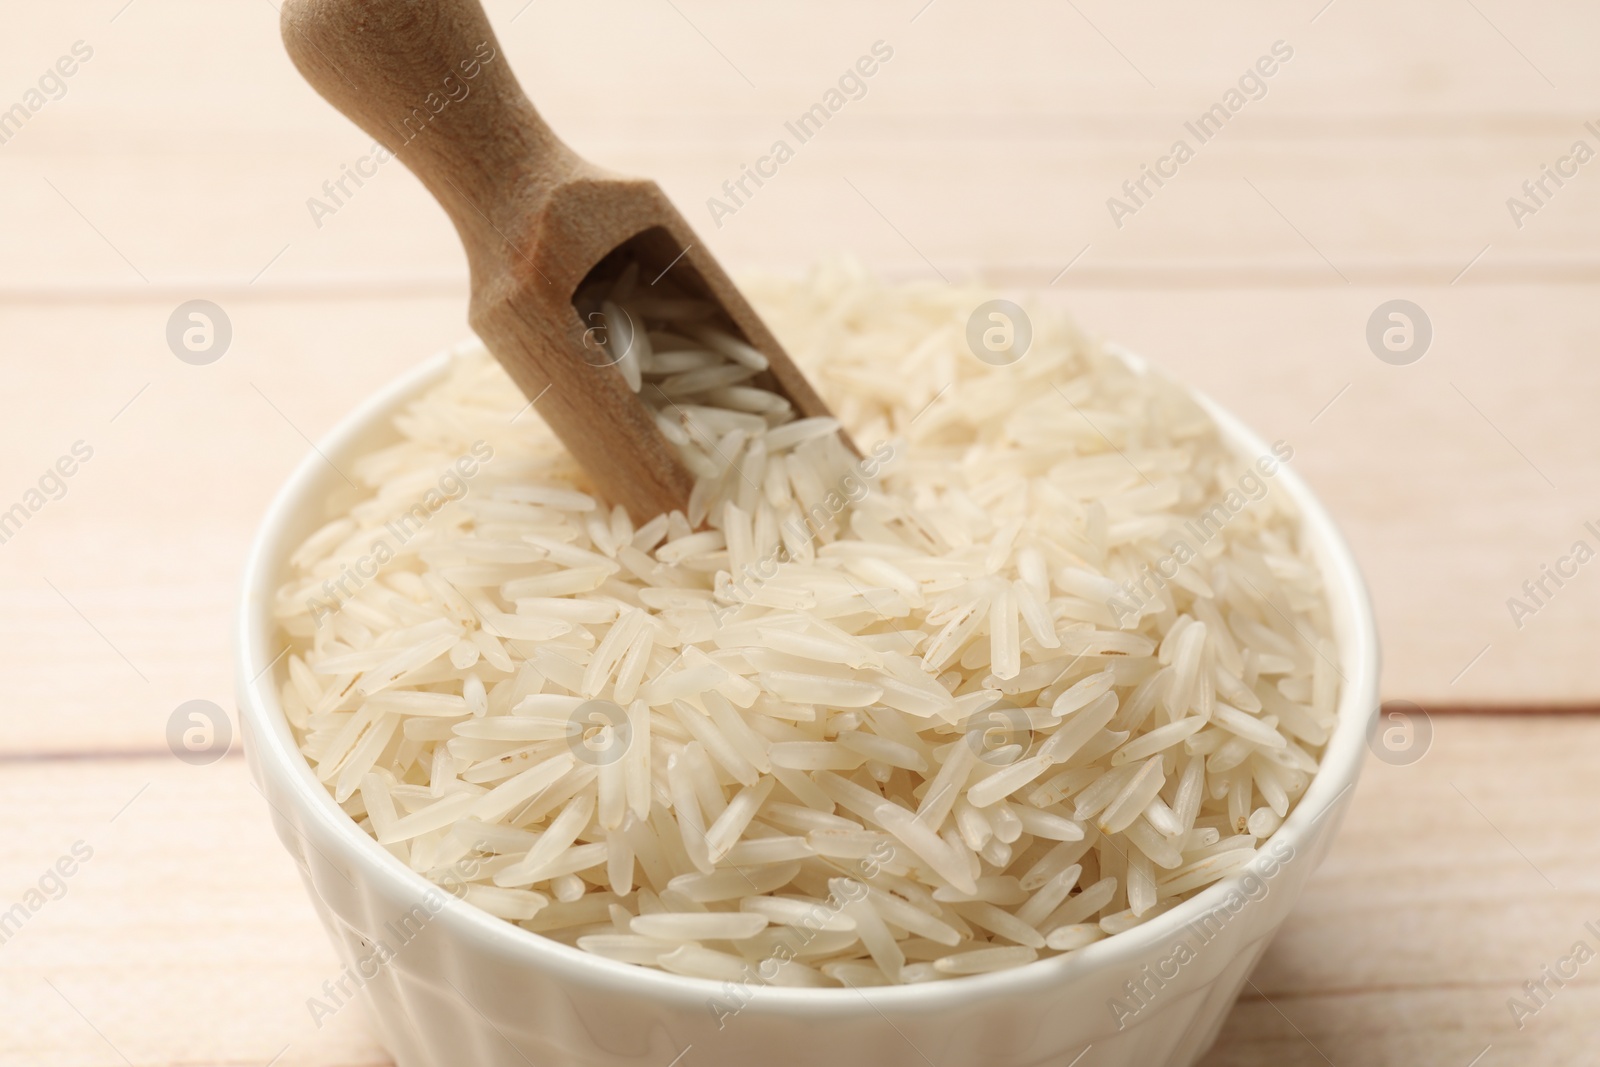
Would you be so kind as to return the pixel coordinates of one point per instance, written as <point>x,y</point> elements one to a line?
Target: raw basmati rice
<point>934,710</point>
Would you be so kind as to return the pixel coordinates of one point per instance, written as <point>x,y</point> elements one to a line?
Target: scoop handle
<point>427,79</point>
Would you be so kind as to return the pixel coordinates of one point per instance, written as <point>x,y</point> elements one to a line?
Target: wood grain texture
<point>426,78</point>
<point>179,162</point>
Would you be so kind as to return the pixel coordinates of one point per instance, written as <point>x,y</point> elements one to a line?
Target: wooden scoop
<point>427,79</point>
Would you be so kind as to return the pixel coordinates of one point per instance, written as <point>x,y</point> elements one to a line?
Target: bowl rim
<point>276,755</point>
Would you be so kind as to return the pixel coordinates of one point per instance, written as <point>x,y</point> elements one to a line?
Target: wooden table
<point>177,164</point>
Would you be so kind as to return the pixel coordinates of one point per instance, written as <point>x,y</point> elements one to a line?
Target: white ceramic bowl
<point>447,984</point>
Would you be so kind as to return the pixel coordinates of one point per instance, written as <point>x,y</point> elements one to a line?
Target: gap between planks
<point>1260,274</point>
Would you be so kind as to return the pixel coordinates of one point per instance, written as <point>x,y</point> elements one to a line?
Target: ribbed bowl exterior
<point>446,984</point>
